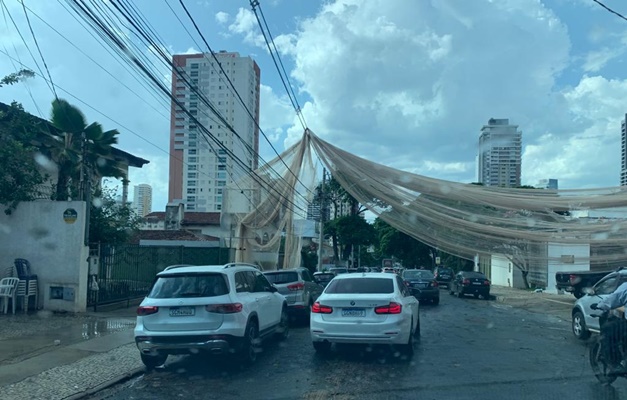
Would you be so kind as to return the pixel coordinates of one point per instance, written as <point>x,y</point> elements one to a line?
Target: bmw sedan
<point>368,308</point>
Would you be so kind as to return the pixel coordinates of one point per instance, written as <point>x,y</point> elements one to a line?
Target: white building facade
<point>500,154</point>
<point>623,163</point>
<point>200,168</point>
<point>142,199</point>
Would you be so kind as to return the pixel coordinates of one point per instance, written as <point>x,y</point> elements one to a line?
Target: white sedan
<point>370,308</point>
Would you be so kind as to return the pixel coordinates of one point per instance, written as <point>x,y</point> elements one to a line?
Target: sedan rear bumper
<point>394,332</point>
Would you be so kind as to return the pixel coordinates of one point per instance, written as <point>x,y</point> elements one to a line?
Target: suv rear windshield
<point>361,285</point>
<point>444,271</point>
<point>281,277</point>
<point>189,285</point>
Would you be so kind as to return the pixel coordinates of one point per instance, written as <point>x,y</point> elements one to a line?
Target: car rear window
<point>417,275</point>
<point>361,285</point>
<point>444,271</point>
<point>282,277</point>
<point>189,285</point>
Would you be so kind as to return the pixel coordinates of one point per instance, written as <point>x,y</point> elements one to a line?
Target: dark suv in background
<point>444,276</point>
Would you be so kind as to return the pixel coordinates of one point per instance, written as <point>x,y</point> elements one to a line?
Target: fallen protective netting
<point>465,220</point>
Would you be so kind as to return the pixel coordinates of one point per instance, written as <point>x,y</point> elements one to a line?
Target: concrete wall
<point>556,251</point>
<point>178,243</point>
<point>38,232</point>
<point>504,273</point>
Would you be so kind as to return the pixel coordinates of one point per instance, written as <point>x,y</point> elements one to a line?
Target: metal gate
<point>127,271</point>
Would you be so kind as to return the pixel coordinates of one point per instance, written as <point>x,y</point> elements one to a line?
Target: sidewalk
<point>56,356</point>
<point>559,305</point>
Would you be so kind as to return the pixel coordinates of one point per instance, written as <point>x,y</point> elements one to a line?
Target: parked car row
<point>233,308</point>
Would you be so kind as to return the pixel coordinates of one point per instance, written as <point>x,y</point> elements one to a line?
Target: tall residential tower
<point>142,199</point>
<point>199,168</point>
<point>500,149</point>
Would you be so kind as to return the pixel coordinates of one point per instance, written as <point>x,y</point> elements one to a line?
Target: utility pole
<point>322,215</point>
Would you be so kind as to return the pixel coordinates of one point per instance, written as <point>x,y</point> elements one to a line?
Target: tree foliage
<point>393,242</point>
<point>351,230</point>
<point>74,133</point>
<point>111,222</point>
<point>20,175</point>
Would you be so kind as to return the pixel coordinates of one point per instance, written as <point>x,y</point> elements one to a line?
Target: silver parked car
<point>582,323</point>
<point>298,286</point>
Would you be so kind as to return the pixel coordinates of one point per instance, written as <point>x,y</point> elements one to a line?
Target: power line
<point>254,4</point>
<point>610,10</point>
<point>30,27</point>
<point>86,12</point>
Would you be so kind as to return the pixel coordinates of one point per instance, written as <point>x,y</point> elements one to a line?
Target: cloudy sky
<point>406,83</point>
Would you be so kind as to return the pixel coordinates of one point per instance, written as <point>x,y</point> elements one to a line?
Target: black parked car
<point>422,285</point>
<point>470,282</point>
<point>444,275</point>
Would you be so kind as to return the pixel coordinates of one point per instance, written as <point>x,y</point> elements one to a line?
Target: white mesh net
<point>465,220</point>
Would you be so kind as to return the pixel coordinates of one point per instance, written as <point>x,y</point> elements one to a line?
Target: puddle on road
<point>95,328</point>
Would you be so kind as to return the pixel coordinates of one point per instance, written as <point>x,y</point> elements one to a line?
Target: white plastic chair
<point>8,290</point>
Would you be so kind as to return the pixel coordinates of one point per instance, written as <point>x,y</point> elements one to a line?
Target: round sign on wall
<point>70,215</point>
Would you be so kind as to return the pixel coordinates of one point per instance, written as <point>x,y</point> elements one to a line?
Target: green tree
<point>20,175</point>
<point>81,145</point>
<point>111,222</point>
<point>352,230</point>
<point>309,258</point>
<point>393,242</point>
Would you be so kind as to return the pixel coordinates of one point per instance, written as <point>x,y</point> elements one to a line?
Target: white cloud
<point>245,24</point>
<point>596,60</point>
<point>222,17</point>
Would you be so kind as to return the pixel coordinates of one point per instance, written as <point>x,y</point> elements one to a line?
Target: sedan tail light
<point>228,308</point>
<point>392,308</point>
<point>147,310</point>
<point>318,308</point>
<point>574,279</point>
<point>486,282</point>
<point>466,282</point>
<point>296,286</point>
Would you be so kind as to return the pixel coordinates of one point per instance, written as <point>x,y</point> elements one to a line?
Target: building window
<point>191,206</point>
<point>191,151</point>
<point>193,104</point>
<point>192,144</point>
<point>218,207</point>
<point>192,159</point>
<point>192,135</point>
<point>193,97</point>
<point>193,73</point>
<point>193,127</point>
<point>221,175</point>
<point>221,151</point>
<point>191,183</point>
<point>218,199</point>
<point>220,183</point>
<point>192,167</point>
<point>218,191</point>
<point>221,159</point>
<point>191,199</point>
<point>191,190</point>
<point>194,66</point>
<point>192,175</point>
<point>221,167</point>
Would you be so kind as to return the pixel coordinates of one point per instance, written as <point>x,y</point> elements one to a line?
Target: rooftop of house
<point>50,133</point>
<point>178,235</point>
<point>190,218</point>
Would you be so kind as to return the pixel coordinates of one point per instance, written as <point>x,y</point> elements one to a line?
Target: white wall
<point>38,232</point>
<point>504,273</point>
<point>556,251</point>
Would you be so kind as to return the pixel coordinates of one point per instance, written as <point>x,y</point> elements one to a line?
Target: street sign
<point>437,261</point>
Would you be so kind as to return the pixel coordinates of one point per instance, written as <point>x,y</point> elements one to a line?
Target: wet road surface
<point>469,349</point>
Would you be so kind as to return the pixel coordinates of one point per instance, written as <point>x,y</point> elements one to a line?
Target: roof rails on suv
<point>240,264</point>
<point>178,266</point>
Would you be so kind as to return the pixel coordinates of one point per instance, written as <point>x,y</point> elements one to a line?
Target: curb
<point>111,382</point>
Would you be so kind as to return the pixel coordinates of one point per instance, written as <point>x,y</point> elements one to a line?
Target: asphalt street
<point>469,349</point>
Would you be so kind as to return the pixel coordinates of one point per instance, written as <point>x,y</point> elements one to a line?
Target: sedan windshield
<point>361,285</point>
<point>417,275</point>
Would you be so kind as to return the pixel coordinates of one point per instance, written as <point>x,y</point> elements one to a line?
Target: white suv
<point>218,309</point>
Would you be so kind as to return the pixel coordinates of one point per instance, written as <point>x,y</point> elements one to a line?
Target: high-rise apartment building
<point>623,163</point>
<point>549,183</point>
<point>142,199</point>
<point>500,150</point>
<point>199,168</point>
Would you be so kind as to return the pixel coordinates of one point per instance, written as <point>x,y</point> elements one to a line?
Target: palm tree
<point>71,156</point>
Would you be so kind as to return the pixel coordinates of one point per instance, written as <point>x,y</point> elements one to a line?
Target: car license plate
<point>476,283</point>
<point>182,311</point>
<point>445,277</point>
<point>353,312</point>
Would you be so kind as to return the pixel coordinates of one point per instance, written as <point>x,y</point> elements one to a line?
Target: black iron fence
<point>127,271</point>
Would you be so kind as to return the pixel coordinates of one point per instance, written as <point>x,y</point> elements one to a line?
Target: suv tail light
<point>229,308</point>
<point>147,310</point>
<point>296,286</point>
<point>318,308</point>
<point>392,308</point>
